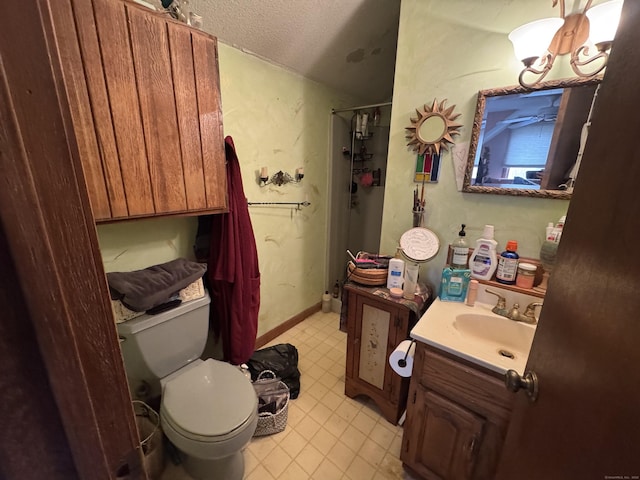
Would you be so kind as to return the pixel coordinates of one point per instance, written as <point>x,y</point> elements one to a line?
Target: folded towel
<point>144,289</point>
<point>191,292</point>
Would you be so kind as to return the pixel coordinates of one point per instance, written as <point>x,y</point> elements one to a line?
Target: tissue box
<point>454,284</point>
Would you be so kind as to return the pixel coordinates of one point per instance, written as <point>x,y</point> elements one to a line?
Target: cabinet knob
<point>528,382</point>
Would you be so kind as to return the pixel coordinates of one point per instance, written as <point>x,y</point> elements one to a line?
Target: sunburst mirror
<point>433,129</point>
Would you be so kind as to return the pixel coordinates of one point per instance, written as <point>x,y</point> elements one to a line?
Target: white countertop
<point>438,327</point>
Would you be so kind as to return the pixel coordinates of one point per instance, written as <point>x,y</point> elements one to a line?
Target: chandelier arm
<point>587,7</point>
<point>547,64</point>
<point>576,63</point>
<point>562,8</point>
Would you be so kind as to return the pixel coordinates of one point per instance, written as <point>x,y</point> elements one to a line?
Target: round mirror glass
<point>432,129</point>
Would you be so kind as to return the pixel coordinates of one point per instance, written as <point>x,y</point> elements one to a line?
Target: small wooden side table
<point>376,324</point>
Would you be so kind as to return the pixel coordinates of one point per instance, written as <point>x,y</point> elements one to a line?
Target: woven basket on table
<point>270,423</point>
<point>367,276</point>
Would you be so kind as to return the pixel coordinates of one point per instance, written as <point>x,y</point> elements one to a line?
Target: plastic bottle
<point>396,273</point>
<point>472,294</point>
<point>549,230</point>
<point>508,264</point>
<point>410,280</point>
<point>326,302</point>
<point>556,231</point>
<point>336,289</point>
<point>376,117</point>
<point>460,257</point>
<point>484,261</point>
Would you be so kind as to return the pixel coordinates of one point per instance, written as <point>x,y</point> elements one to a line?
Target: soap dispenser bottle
<point>460,257</point>
<point>483,261</point>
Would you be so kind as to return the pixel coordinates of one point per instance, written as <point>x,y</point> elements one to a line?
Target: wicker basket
<point>367,276</point>
<point>270,423</point>
<point>148,422</point>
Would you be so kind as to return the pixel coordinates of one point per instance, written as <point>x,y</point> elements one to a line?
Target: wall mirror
<point>527,141</point>
<point>433,129</point>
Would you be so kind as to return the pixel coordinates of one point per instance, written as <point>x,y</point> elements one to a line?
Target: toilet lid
<point>209,400</point>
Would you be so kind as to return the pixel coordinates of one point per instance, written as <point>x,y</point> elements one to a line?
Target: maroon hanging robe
<point>233,271</point>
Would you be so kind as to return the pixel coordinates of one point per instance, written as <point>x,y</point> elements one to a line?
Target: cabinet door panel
<point>101,110</point>
<point>152,62</point>
<point>187,110</point>
<point>205,56</point>
<point>117,63</point>
<point>80,108</point>
<point>373,345</point>
<point>448,441</point>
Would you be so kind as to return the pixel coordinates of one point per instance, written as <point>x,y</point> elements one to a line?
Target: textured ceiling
<point>349,45</point>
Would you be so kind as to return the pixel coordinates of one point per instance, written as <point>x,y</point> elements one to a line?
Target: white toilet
<point>209,409</point>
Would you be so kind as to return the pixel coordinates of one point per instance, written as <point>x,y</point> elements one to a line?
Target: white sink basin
<point>476,334</point>
<point>495,331</point>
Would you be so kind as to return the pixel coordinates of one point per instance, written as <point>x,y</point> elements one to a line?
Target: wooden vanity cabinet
<point>375,326</point>
<point>144,97</point>
<point>457,418</point>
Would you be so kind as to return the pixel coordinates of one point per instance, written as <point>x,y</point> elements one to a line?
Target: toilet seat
<point>211,402</point>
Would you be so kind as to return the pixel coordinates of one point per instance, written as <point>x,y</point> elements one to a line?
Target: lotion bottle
<point>484,261</point>
<point>395,276</point>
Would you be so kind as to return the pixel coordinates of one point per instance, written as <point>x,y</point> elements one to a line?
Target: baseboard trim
<point>262,340</point>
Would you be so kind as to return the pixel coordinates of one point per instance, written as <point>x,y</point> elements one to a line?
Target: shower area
<point>359,146</point>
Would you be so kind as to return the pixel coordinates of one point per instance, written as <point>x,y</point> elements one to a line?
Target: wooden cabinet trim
<point>474,389</point>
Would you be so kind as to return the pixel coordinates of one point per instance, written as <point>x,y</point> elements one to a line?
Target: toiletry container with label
<point>460,257</point>
<point>484,261</point>
<point>395,277</point>
<point>526,275</point>
<point>508,264</point>
<point>454,284</point>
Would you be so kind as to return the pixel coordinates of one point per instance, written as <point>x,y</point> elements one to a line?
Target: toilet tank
<point>154,346</point>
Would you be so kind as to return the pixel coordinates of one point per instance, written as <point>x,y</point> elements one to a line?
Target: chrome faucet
<point>529,315</point>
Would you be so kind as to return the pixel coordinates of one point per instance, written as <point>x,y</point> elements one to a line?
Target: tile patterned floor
<point>328,436</point>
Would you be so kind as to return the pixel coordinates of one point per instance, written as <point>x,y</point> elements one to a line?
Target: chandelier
<point>537,44</point>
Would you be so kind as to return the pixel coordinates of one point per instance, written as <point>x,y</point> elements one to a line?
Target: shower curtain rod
<point>334,111</point>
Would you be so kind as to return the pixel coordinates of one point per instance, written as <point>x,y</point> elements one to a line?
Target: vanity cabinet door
<point>445,440</point>
<point>375,327</point>
<point>457,418</point>
<point>145,106</point>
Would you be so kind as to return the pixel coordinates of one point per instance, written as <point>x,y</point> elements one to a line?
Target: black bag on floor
<point>282,360</point>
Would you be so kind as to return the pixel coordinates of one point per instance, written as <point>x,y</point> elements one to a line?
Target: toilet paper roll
<point>401,359</point>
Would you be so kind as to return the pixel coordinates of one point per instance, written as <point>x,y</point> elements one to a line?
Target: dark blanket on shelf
<point>144,289</point>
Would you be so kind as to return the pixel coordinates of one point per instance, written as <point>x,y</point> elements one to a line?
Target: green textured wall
<point>451,50</point>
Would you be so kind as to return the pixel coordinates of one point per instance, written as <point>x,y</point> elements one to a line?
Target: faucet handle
<point>530,312</point>
<point>501,306</point>
<point>502,302</point>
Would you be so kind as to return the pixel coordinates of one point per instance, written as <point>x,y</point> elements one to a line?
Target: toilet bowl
<point>209,412</point>
<point>208,409</point>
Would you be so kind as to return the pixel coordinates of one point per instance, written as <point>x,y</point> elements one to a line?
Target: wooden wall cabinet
<point>375,326</point>
<point>457,418</point>
<point>145,103</point>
